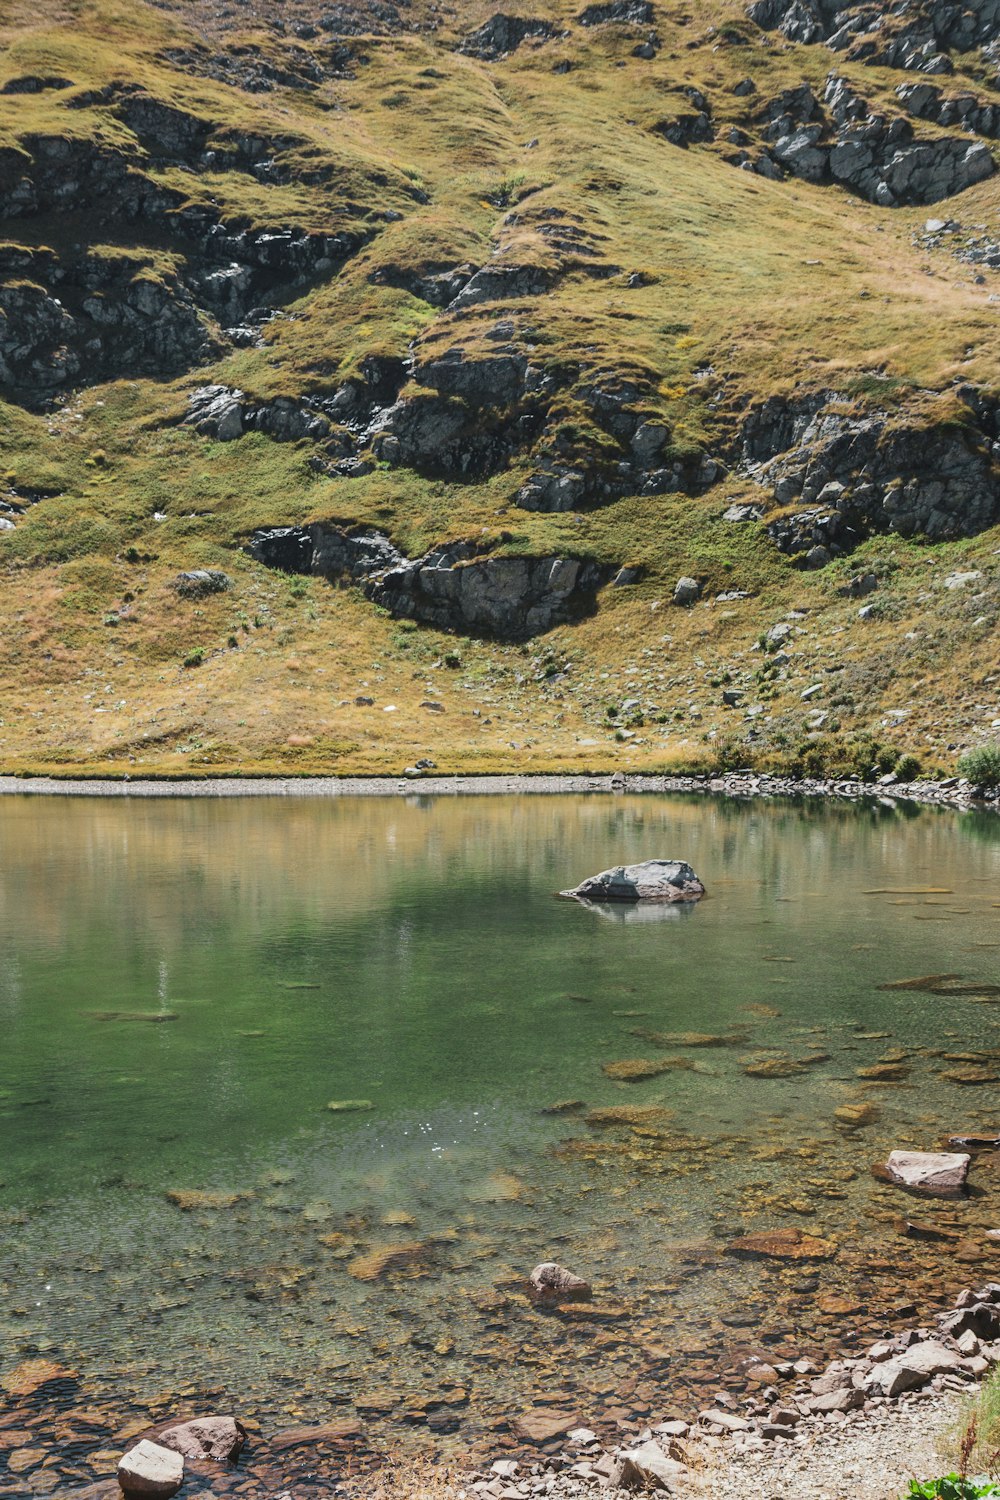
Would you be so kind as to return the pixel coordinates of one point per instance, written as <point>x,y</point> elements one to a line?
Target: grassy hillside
<point>160,141</point>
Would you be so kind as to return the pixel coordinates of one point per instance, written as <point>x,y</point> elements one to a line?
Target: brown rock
<point>782,1244</point>
<point>885,1072</point>
<point>331,1432</point>
<point>550,1282</point>
<point>971,1074</point>
<point>35,1375</point>
<point>219,1438</point>
<point>189,1200</point>
<point>630,1114</point>
<point>855,1116</point>
<point>634,1069</point>
<point>542,1425</point>
<point>385,1258</point>
<point>23,1460</point>
<point>837,1304</point>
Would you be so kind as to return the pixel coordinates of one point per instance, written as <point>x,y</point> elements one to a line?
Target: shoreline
<point>952,792</point>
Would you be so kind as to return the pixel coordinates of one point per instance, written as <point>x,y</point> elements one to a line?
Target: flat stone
<point>781,1244</point>
<point>648,1466</point>
<point>150,1469</point>
<point>34,1375</point>
<point>938,1174</point>
<point>330,1432</point>
<point>542,1425</point>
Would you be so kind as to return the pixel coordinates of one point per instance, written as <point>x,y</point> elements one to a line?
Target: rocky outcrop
<point>502,34</point>
<point>667,880</point>
<point>917,36</point>
<point>458,586</point>
<point>844,141</point>
<point>931,468</point>
<point>624,12</point>
<point>967,111</point>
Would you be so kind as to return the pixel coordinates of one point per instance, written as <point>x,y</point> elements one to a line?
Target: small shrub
<point>907,768</point>
<point>981,766</point>
<point>952,1487</point>
<point>194,658</point>
<point>452,660</point>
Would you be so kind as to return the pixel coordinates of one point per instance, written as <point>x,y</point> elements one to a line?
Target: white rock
<point>941,1174</point>
<point>149,1469</point>
<point>652,1466</point>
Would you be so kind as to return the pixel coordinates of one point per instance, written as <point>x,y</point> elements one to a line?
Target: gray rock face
<point>917,37</point>
<point>667,880</point>
<point>844,141</point>
<point>858,474</point>
<point>151,1469</point>
<point>502,34</point>
<point>687,591</point>
<point>456,586</point>
<point>625,12</point>
<point>78,315</point>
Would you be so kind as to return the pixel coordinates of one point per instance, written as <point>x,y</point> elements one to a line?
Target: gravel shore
<point>872,1457</point>
<point>950,793</point>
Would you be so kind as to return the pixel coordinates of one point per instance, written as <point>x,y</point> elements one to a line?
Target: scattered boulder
<point>935,1174</point>
<point>648,1467</point>
<point>219,1438</point>
<point>201,582</point>
<point>687,591</point>
<point>550,1282</point>
<point>151,1469</point>
<point>913,1368</point>
<point>666,880</point>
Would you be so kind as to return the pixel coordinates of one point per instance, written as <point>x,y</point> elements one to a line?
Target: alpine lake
<point>187,985</point>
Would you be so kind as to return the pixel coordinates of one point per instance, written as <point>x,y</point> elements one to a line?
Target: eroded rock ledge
<point>457,586</point>
<point>929,467</point>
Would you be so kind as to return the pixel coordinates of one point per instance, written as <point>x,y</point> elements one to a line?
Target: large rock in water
<point>219,1438</point>
<point>936,1174</point>
<point>652,880</point>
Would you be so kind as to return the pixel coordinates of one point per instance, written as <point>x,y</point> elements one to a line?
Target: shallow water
<point>186,985</point>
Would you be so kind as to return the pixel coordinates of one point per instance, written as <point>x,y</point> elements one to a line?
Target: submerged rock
<point>781,1244</point>
<point>653,880</point>
<point>550,1282</point>
<point>936,1174</point>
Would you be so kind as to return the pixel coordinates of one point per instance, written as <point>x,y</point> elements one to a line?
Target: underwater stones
<point>550,1282</point>
<point>542,1425</point>
<point>37,1376</point>
<point>343,1430</point>
<point>628,1115</point>
<point>190,1200</point>
<point>151,1469</point>
<point>219,1438</point>
<point>971,1074</point>
<point>855,1116</point>
<point>936,1174</point>
<point>781,1244</point>
<point>349,1106</point>
<point>635,1069</point>
<point>884,1072</point>
<point>668,880</point>
<point>771,1067</point>
<point>383,1259</point>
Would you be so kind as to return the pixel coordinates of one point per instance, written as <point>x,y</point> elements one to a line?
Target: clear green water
<point>411,953</point>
